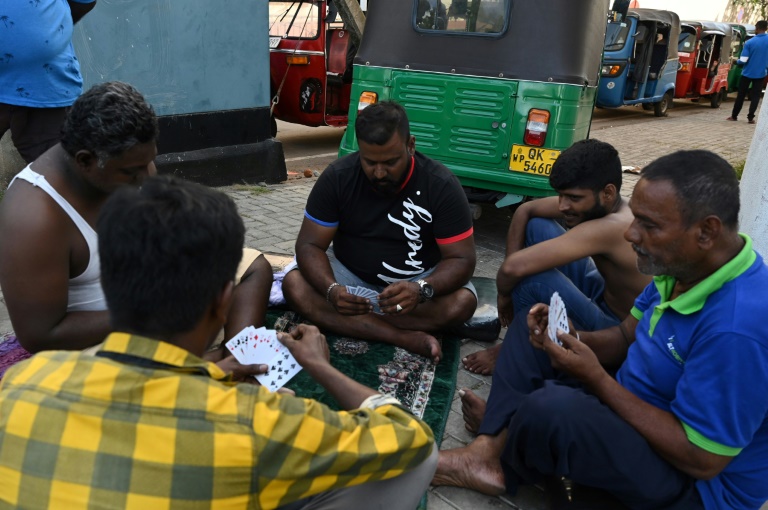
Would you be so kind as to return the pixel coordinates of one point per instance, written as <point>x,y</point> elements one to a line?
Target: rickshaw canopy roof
<point>710,27</point>
<point>717,28</point>
<point>665,17</point>
<point>668,18</point>
<point>558,41</point>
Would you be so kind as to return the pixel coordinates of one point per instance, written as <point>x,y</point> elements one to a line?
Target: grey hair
<point>107,120</point>
<point>705,184</point>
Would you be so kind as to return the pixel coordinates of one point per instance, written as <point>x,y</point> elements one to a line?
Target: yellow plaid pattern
<point>81,431</point>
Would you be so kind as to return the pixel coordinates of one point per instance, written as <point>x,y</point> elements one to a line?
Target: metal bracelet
<point>330,288</point>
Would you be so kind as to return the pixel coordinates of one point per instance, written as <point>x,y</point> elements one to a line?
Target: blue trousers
<point>579,283</point>
<point>554,426</point>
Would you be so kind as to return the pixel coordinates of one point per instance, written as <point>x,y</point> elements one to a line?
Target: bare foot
<point>482,362</point>
<point>422,344</point>
<point>472,408</point>
<point>470,468</point>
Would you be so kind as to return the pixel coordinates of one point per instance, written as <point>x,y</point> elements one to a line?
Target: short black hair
<point>705,185</point>
<point>107,120</point>
<point>167,249</point>
<point>762,25</point>
<point>587,164</point>
<point>378,122</point>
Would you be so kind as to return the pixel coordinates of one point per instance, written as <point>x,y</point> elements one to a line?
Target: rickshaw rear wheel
<point>660,108</point>
<point>716,99</point>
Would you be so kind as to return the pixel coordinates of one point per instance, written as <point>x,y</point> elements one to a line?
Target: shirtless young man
<point>590,265</point>
<point>49,262</point>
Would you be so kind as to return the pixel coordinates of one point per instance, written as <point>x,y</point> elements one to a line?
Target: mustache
<point>639,250</point>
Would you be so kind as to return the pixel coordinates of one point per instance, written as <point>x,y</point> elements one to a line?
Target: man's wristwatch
<point>426,291</point>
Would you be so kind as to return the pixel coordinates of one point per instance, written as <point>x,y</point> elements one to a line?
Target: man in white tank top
<point>49,263</point>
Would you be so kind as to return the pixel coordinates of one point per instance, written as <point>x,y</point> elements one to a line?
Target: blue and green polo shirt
<point>703,356</point>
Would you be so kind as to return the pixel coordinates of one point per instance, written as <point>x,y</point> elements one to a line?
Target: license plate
<point>274,42</point>
<point>531,160</point>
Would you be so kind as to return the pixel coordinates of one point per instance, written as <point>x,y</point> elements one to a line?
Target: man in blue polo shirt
<point>39,72</point>
<point>754,58</point>
<point>684,424</point>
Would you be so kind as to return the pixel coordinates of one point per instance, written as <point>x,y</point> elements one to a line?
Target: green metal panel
<point>470,123</point>
<point>461,120</point>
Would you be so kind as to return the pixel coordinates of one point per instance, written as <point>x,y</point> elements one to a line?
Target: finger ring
<point>399,308</point>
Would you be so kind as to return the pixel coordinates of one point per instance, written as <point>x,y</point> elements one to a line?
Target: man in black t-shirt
<point>400,225</point>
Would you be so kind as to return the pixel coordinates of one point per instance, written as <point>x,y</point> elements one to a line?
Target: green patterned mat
<point>426,389</point>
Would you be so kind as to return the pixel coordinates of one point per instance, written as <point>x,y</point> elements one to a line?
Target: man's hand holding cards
<point>370,294</point>
<point>261,346</point>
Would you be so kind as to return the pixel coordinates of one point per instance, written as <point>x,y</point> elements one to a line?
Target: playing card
<point>267,345</point>
<point>281,369</point>
<point>367,293</point>
<point>238,345</point>
<point>558,318</point>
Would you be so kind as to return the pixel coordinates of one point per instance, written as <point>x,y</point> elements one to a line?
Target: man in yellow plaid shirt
<point>146,423</point>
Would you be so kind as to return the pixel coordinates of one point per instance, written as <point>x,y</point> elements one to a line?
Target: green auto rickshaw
<point>494,89</point>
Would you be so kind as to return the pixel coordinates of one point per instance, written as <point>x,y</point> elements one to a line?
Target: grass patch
<point>739,168</point>
<point>252,189</point>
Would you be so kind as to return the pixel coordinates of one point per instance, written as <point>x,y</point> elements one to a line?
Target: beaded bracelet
<point>330,288</point>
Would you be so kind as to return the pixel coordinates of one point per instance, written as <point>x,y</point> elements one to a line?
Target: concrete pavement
<point>273,215</point>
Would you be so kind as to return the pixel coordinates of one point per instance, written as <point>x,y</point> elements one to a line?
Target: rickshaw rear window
<point>616,36</point>
<point>687,42</point>
<point>462,16</point>
<point>297,20</point>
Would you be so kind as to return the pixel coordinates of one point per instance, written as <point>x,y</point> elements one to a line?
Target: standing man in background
<point>39,72</point>
<point>754,59</point>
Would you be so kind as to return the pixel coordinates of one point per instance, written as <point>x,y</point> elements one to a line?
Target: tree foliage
<point>758,6</point>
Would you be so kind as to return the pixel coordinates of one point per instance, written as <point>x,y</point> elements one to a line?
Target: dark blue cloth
<point>579,283</point>
<point>556,428</point>
<point>753,87</point>
<point>581,287</point>
<point>702,356</point>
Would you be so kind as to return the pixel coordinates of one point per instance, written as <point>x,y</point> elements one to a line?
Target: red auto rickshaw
<point>704,50</point>
<point>310,57</point>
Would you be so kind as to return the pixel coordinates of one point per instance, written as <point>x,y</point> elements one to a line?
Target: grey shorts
<point>346,277</point>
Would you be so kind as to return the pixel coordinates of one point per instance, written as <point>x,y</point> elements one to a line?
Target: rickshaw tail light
<point>685,67</point>
<point>297,60</point>
<point>366,100</point>
<point>536,128</point>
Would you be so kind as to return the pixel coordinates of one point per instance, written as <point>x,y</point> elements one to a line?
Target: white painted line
<point>288,160</point>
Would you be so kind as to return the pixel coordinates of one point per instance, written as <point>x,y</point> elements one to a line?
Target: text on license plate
<point>274,41</point>
<point>532,160</point>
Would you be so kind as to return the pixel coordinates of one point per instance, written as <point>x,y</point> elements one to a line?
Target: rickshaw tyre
<point>717,99</point>
<point>661,108</point>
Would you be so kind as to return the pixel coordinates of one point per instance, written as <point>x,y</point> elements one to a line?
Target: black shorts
<point>33,130</point>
